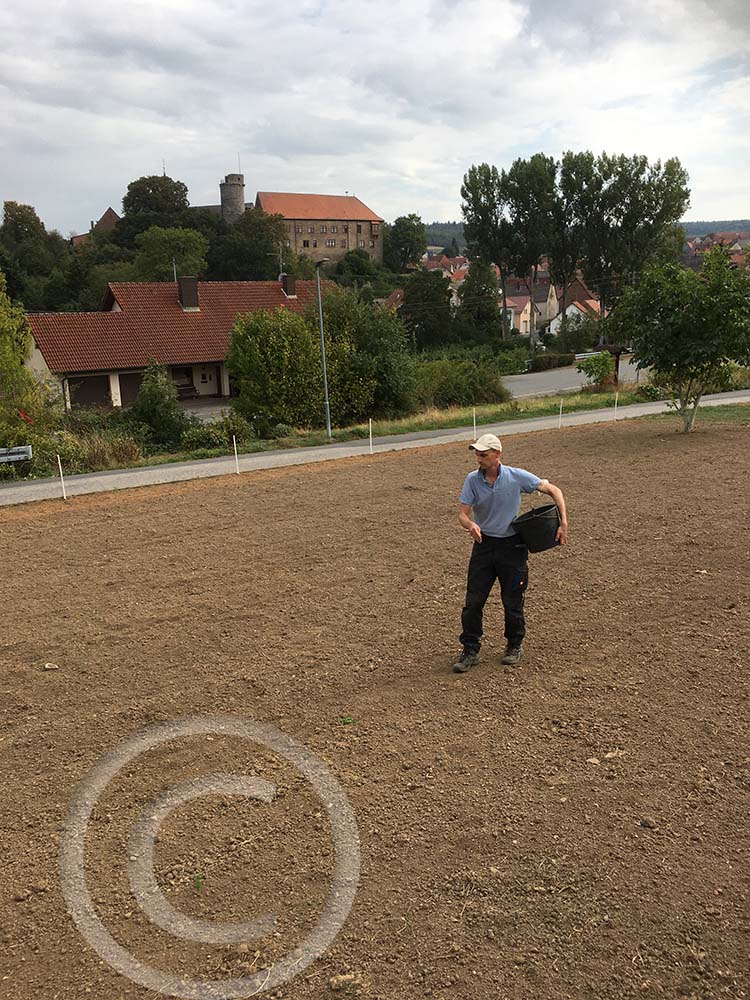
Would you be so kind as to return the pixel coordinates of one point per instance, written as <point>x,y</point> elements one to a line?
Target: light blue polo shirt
<point>494,507</point>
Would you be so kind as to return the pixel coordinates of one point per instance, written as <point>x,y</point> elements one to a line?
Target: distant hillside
<point>440,234</point>
<point>715,226</point>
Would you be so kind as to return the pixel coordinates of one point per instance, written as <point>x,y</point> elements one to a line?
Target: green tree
<point>30,407</point>
<point>33,254</point>
<point>688,327</point>
<point>15,333</point>
<point>356,267</point>
<point>381,357</point>
<point>276,362</point>
<point>570,209</point>
<point>630,206</point>
<point>249,251</point>
<point>530,191</point>
<point>488,229</point>
<point>161,251</point>
<point>156,406</point>
<point>404,242</point>
<point>478,318</point>
<point>426,309</point>
<point>155,195</point>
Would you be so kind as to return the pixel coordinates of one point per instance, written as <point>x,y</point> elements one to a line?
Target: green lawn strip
<point>535,406</point>
<point>731,413</point>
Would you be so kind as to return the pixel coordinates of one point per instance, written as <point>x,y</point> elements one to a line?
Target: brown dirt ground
<point>574,828</point>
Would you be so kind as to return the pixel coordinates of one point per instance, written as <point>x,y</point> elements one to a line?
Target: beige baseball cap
<point>487,442</point>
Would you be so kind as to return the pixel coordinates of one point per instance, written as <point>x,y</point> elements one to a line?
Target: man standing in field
<point>493,495</point>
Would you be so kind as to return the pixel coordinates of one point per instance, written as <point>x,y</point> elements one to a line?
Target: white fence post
<point>371,435</point>
<point>616,398</point>
<point>475,422</point>
<point>559,419</point>
<point>62,481</point>
<point>236,459</point>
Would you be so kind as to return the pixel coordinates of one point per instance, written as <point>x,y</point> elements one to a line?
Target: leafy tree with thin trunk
<point>630,204</point>
<point>478,318</point>
<point>488,230</point>
<point>530,187</point>
<point>688,327</point>
<point>570,208</point>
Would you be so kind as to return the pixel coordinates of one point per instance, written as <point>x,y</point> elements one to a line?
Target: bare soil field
<point>576,827</point>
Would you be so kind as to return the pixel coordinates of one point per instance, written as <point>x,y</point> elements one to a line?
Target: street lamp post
<point>323,347</point>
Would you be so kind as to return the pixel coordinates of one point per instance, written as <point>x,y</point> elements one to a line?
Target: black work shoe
<point>512,656</point>
<point>466,661</point>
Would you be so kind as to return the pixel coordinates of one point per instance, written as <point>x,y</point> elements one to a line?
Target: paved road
<point>531,384</point>
<point>558,380</point>
<point>98,482</point>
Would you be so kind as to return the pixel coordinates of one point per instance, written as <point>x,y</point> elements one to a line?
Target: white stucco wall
<point>204,380</point>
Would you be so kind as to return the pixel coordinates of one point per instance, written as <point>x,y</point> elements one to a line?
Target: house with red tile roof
<point>326,225</point>
<point>99,357</point>
<point>107,222</point>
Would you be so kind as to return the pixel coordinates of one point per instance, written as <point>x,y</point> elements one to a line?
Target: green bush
<point>543,362</point>
<point>457,383</point>
<point>207,435</point>
<point>88,419</point>
<point>157,407</point>
<point>282,431</point>
<point>598,368</point>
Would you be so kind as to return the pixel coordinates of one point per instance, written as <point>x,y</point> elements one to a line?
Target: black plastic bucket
<point>538,527</point>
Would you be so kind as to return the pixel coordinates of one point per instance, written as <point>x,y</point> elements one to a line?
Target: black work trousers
<point>504,560</point>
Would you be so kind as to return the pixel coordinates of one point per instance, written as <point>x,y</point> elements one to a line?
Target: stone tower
<point>232,198</point>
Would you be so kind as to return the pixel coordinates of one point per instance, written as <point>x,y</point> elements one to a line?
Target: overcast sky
<point>391,101</point>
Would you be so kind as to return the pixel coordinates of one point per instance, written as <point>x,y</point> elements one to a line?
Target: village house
<point>99,357</point>
<point>106,223</point>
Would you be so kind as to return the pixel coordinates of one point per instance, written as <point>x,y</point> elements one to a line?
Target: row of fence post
<point>237,458</point>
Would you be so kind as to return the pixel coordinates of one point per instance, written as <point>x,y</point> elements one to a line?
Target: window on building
<point>311,229</point>
<point>375,228</point>
<point>298,229</point>
<point>305,243</point>
<point>359,228</point>
<point>344,229</point>
<point>314,243</point>
<point>343,244</point>
<point>330,243</point>
<point>324,229</point>
<point>372,243</point>
<point>361,244</point>
<point>334,229</point>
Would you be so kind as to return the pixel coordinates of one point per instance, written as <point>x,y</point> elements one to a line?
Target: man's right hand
<point>476,532</point>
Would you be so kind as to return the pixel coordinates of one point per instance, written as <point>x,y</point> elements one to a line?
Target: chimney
<point>289,284</point>
<point>187,293</point>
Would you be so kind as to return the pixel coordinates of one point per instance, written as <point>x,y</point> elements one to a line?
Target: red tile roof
<point>344,208</point>
<point>153,325</point>
<point>395,299</point>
